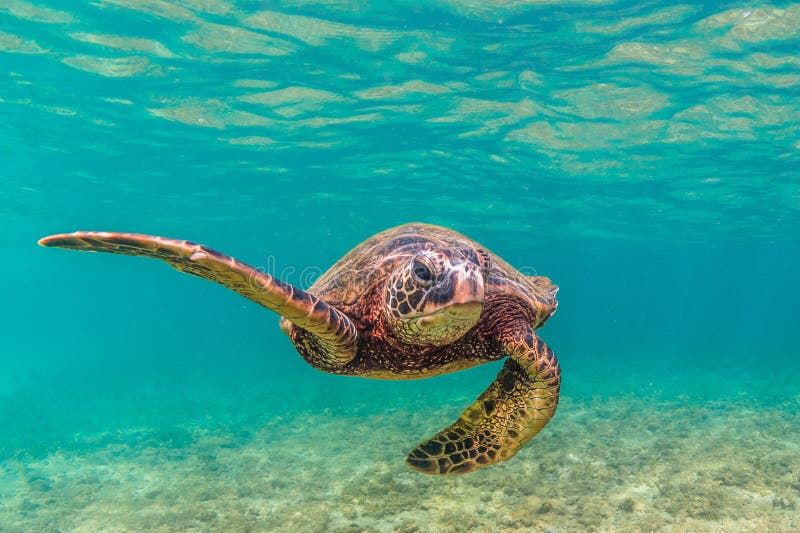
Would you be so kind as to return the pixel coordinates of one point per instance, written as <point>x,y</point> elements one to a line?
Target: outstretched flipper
<point>515,407</point>
<point>337,334</point>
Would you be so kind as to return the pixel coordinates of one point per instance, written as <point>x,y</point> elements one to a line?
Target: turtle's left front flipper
<point>515,407</point>
<point>336,332</point>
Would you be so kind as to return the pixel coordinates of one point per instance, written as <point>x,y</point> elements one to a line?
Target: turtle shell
<point>362,273</point>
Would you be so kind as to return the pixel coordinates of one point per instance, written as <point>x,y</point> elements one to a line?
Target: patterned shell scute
<point>369,264</point>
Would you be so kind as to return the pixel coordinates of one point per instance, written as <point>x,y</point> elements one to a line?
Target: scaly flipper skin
<point>515,407</point>
<point>336,333</point>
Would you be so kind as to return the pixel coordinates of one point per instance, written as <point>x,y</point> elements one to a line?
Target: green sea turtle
<point>411,302</point>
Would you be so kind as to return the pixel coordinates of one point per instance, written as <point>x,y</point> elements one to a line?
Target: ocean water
<point>644,155</point>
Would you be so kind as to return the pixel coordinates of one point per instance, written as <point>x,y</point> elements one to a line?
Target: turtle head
<point>436,296</point>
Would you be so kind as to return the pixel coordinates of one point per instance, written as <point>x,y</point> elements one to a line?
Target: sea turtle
<point>413,301</point>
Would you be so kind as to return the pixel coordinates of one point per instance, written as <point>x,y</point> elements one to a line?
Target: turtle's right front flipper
<point>336,332</point>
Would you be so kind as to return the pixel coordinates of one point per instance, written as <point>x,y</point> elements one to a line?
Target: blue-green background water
<point>644,155</point>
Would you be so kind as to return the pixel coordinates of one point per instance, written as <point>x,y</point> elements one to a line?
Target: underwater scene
<point>644,156</point>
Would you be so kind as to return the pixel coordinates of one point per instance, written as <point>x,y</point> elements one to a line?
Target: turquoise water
<point>645,156</point>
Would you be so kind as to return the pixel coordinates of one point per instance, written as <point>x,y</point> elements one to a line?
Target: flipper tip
<point>53,240</point>
<point>76,239</point>
<point>67,240</point>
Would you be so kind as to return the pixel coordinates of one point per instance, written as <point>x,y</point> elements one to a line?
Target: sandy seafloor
<point>629,450</point>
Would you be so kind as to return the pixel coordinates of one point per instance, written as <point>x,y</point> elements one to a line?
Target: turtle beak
<point>464,311</point>
<point>459,295</point>
<point>466,302</point>
<point>453,306</point>
<point>467,286</point>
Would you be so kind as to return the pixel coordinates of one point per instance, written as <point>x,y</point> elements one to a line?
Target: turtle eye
<point>422,272</point>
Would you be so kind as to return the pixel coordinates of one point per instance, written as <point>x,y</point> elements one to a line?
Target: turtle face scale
<point>436,296</point>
